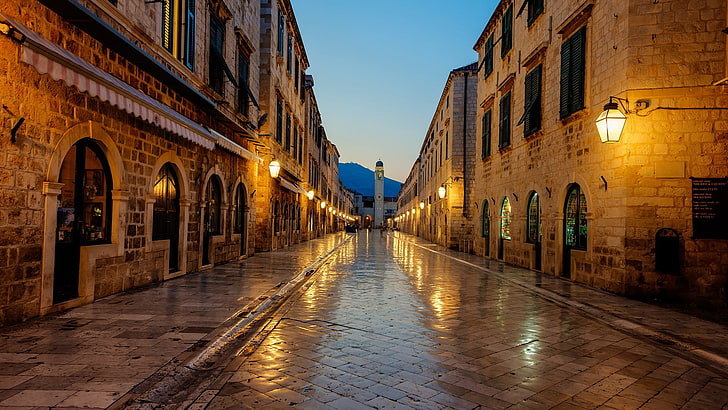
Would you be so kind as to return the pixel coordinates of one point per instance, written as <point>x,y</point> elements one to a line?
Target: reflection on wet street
<point>388,324</point>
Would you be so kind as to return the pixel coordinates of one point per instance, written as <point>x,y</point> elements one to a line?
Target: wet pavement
<point>387,322</point>
<point>94,355</point>
<point>396,322</point>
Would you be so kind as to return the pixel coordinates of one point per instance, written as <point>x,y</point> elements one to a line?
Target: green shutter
<point>485,135</point>
<point>488,56</point>
<point>507,32</point>
<point>189,57</point>
<point>578,63</point>
<point>504,139</point>
<point>564,84</point>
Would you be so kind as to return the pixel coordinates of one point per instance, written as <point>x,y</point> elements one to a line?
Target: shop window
<point>506,219</point>
<point>573,61</point>
<point>533,219</point>
<point>575,218</point>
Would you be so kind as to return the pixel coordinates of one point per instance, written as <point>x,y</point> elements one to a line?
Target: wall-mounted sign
<point>710,208</point>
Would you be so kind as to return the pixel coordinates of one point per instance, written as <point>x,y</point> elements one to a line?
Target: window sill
<point>575,116</point>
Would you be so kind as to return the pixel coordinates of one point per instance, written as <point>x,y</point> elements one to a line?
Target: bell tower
<point>379,193</point>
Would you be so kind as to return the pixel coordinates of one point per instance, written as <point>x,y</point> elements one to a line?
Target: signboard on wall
<point>710,208</point>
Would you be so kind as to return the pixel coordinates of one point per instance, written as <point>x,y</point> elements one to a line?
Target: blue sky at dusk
<point>379,69</point>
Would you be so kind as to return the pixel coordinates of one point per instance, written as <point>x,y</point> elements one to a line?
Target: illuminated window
<point>178,29</point>
<point>485,220</point>
<point>575,223</point>
<point>506,219</point>
<point>533,219</point>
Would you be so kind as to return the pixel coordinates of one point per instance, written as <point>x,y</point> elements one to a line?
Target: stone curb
<point>179,380</point>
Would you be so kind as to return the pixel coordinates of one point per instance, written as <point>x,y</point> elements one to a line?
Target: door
<point>83,214</point>
<point>575,226</point>
<point>212,218</point>
<point>485,228</point>
<point>533,228</point>
<point>166,212</point>
<point>239,221</point>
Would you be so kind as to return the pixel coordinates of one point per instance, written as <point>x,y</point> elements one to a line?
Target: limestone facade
<point>446,161</point>
<point>631,216</point>
<point>134,145</point>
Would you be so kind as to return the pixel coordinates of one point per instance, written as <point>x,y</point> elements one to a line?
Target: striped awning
<point>236,149</point>
<point>60,64</point>
<point>293,187</point>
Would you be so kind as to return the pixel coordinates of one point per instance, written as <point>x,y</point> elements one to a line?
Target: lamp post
<point>441,191</point>
<point>275,168</point>
<point>610,122</point>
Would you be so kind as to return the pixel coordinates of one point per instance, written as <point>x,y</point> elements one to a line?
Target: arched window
<point>166,203</point>
<point>214,199</point>
<point>485,220</point>
<point>575,223</point>
<point>533,219</point>
<point>506,219</point>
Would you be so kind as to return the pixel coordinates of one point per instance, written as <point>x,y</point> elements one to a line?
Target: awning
<point>60,64</point>
<point>236,149</point>
<point>292,186</point>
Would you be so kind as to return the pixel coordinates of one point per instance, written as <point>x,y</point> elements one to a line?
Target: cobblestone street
<point>390,324</point>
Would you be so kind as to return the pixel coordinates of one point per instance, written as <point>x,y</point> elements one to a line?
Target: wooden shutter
<point>507,33</point>
<point>532,107</point>
<point>504,139</point>
<point>189,46</point>
<point>485,134</point>
<point>577,69</point>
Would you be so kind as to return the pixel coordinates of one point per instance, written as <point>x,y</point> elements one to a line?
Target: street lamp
<point>275,168</point>
<point>610,122</point>
<point>422,205</point>
<point>323,204</point>
<point>310,194</point>
<point>441,191</point>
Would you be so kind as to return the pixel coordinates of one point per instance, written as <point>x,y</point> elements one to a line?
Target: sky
<point>379,69</point>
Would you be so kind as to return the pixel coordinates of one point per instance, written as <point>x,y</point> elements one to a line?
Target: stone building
<point>644,216</point>
<point>135,147</point>
<point>436,200</point>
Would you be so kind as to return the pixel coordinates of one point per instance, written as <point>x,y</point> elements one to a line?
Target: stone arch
<point>52,189</point>
<point>185,200</point>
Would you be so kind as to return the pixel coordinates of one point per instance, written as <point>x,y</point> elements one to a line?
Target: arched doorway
<point>485,227</point>
<point>212,226</point>
<point>533,227</point>
<point>575,225</point>
<point>505,226</point>
<point>83,214</point>
<point>239,218</point>
<point>165,225</point>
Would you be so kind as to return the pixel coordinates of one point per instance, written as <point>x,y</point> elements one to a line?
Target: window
<point>217,62</point>
<point>296,75</point>
<point>289,55</point>
<point>287,147</point>
<point>239,215</point>
<point>295,142</point>
<point>279,121</point>
<point>244,87</point>
<point>535,8</point>
<point>281,32</point>
<point>575,223</point>
<point>485,220</point>
<point>533,219</point>
<point>532,106</point>
<point>485,134</point>
<point>504,135</point>
<point>447,145</point>
<point>178,29</point>
<point>488,57</point>
<point>507,31</point>
<point>505,230</point>
<point>573,60</point>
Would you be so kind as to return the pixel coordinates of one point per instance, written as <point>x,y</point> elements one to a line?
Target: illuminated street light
<point>610,122</point>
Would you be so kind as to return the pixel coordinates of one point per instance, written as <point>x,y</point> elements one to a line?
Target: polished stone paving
<point>389,322</point>
<point>393,323</point>
<point>90,356</point>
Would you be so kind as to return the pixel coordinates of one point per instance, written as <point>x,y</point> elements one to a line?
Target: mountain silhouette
<point>361,180</point>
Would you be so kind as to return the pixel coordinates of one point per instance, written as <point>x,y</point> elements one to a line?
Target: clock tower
<point>379,193</point>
